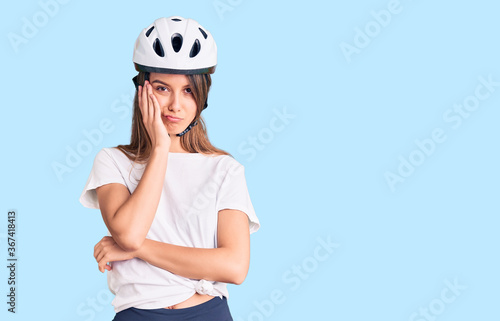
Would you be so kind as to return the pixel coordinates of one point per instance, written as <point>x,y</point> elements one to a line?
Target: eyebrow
<point>161,82</point>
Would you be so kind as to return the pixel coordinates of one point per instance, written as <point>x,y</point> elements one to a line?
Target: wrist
<point>161,149</point>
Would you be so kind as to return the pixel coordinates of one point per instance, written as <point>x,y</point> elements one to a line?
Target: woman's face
<point>174,94</point>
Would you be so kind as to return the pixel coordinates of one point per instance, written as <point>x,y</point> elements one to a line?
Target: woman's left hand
<point>108,251</point>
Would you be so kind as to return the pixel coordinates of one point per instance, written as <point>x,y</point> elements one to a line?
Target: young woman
<point>177,209</point>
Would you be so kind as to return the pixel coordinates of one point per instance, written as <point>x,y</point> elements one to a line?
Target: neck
<point>175,145</point>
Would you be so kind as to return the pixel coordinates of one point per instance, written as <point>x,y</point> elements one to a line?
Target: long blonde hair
<point>194,141</point>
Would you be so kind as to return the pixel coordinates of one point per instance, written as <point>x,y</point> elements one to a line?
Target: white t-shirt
<point>196,188</point>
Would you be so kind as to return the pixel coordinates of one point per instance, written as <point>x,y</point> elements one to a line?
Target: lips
<point>172,118</point>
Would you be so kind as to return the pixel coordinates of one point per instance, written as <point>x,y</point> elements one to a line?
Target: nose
<point>174,103</point>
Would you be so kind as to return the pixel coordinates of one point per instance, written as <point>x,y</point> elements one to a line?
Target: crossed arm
<point>228,263</point>
<point>128,217</point>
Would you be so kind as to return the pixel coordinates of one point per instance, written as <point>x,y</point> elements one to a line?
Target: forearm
<point>213,264</point>
<point>135,216</point>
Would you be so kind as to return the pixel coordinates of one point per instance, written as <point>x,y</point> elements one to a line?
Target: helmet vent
<point>203,33</point>
<point>175,19</point>
<point>195,49</point>
<point>176,42</point>
<point>149,31</point>
<point>158,48</point>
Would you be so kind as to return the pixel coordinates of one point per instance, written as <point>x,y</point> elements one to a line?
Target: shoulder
<point>119,153</point>
<point>103,155</point>
<point>112,154</point>
<point>106,153</point>
<point>231,166</point>
<point>228,159</point>
<point>223,163</point>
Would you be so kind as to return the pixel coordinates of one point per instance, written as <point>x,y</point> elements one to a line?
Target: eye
<point>189,91</point>
<point>161,88</point>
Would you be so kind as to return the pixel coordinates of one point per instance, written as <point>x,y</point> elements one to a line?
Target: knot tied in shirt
<point>204,287</point>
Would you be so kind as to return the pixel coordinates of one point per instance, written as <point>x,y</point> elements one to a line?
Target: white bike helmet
<point>175,45</point>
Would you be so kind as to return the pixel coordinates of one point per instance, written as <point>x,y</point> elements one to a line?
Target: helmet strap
<point>136,83</point>
<point>188,128</point>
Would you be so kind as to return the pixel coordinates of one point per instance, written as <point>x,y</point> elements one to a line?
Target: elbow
<point>238,279</point>
<point>238,274</point>
<point>129,244</point>
<point>131,247</point>
<point>236,266</point>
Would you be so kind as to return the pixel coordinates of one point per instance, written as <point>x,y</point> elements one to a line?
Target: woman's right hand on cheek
<point>152,118</point>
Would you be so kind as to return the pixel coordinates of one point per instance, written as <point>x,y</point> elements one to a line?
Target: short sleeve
<point>233,194</point>
<point>104,171</point>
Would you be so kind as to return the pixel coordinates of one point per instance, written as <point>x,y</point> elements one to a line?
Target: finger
<point>105,266</point>
<point>139,96</point>
<point>144,99</point>
<point>101,255</point>
<point>156,104</point>
<point>141,101</point>
<point>97,255</point>
<point>101,265</point>
<point>151,106</point>
<point>97,249</point>
<point>99,246</point>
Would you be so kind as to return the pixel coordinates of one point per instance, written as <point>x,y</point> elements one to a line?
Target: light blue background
<point>321,175</point>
